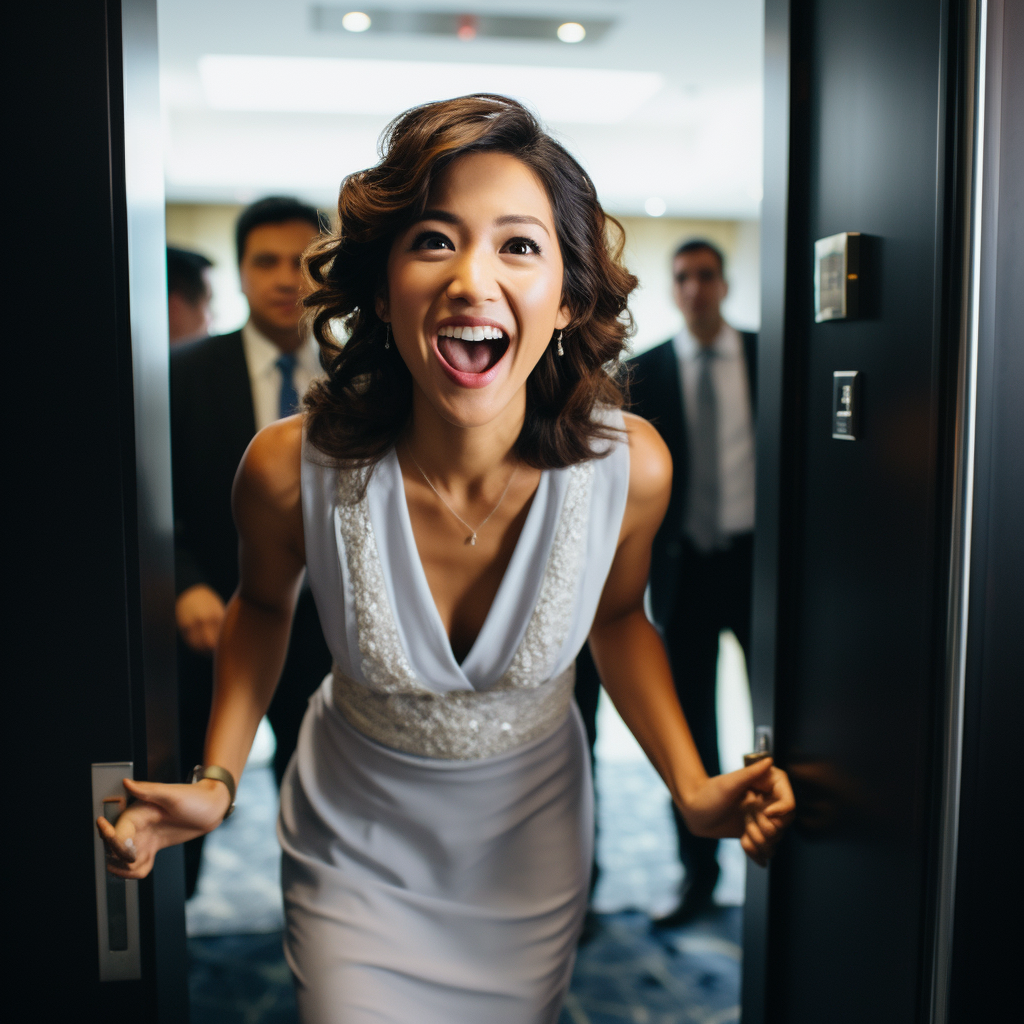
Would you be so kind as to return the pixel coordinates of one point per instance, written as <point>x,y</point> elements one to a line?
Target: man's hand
<point>199,612</point>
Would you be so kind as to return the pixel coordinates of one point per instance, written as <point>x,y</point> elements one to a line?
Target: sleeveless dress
<point>437,818</point>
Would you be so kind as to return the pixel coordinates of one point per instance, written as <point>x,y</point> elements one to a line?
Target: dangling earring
<point>387,336</point>
<point>561,351</point>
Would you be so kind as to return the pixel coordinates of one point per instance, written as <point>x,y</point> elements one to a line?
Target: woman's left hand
<point>753,804</point>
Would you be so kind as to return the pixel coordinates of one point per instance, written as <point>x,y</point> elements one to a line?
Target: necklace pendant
<point>472,539</point>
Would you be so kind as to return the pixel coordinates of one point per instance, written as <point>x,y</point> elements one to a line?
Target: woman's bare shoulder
<point>271,469</point>
<point>650,464</point>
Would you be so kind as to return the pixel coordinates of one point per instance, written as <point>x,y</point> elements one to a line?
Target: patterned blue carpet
<point>624,974</point>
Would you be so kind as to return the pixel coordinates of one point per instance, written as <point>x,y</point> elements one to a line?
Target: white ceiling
<point>694,142</point>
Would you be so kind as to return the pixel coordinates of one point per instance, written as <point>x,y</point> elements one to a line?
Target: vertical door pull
<point>117,899</point>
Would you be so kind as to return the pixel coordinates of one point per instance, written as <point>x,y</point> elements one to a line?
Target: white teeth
<point>471,333</point>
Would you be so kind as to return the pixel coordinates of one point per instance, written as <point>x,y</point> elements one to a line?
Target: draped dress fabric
<point>437,817</point>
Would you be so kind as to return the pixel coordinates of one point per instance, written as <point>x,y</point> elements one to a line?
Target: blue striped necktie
<point>289,400</point>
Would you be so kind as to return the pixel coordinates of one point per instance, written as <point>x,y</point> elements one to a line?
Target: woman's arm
<point>753,803</point>
<point>271,561</point>
<point>250,654</point>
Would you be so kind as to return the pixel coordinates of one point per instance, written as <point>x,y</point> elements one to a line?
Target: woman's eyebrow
<point>521,218</point>
<point>442,215</point>
<point>509,218</point>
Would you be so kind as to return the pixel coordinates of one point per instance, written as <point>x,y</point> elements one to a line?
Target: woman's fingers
<point>756,845</point>
<point>119,847</point>
<point>781,802</point>
<point>756,835</point>
<point>761,835</point>
<point>753,776</point>
<point>128,842</point>
<point>769,829</point>
<point>772,796</point>
<point>137,869</point>
<point>765,799</point>
<point>751,850</point>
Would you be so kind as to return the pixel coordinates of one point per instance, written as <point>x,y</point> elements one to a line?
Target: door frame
<point>90,640</point>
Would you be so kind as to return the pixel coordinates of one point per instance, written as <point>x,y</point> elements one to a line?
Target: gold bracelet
<point>214,771</point>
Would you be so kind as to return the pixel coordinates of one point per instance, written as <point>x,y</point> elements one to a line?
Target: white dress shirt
<point>261,356</point>
<point>735,422</point>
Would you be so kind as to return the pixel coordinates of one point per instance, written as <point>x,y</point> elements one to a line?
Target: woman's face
<point>475,289</point>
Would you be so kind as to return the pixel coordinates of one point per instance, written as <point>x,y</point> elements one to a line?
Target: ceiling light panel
<point>387,87</point>
<point>467,25</point>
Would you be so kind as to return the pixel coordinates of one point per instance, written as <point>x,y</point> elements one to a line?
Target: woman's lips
<point>471,364</point>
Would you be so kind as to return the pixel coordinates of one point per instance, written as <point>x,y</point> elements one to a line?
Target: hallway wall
<point>650,241</point>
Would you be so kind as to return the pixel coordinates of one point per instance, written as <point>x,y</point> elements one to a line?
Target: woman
<point>470,504</point>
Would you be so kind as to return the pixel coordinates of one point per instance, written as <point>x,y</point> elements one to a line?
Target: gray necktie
<point>702,520</point>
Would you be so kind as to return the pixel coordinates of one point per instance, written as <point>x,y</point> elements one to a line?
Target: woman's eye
<point>432,240</point>
<point>521,247</point>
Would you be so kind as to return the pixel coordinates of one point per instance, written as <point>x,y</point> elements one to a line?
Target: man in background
<point>189,295</point>
<point>698,389</point>
<point>224,389</point>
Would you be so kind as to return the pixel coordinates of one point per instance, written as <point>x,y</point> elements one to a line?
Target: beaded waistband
<point>460,725</point>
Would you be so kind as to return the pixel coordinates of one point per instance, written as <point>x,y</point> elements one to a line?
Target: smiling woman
<point>471,506</point>
<point>358,413</point>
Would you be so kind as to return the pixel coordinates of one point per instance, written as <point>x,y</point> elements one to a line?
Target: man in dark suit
<point>224,389</point>
<point>698,389</point>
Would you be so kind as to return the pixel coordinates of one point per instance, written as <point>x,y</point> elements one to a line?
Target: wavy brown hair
<point>360,409</point>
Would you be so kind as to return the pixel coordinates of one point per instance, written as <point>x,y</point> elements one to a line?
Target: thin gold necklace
<point>471,539</point>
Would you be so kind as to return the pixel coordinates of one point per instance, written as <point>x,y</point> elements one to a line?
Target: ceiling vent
<point>465,26</point>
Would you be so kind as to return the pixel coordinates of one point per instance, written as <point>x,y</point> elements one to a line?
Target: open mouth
<point>471,350</point>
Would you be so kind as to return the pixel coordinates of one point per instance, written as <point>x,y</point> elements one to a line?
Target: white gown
<point>437,817</point>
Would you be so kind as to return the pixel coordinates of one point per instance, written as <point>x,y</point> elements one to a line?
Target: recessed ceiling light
<point>572,32</point>
<point>355,21</point>
<point>655,207</point>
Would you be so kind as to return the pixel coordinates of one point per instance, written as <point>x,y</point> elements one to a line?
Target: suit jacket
<point>212,423</point>
<point>656,394</point>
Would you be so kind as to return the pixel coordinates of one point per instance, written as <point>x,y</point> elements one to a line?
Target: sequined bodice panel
<point>400,710</point>
<point>395,678</point>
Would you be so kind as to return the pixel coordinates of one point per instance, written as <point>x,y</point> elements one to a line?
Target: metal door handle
<point>762,746</point>
<point>117,899</point>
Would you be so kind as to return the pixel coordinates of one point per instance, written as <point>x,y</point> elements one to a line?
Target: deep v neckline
<point>533,545</point>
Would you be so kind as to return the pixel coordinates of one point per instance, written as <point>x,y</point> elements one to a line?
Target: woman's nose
<point>473,280</point>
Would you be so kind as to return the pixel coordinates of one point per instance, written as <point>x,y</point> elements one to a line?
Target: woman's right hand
<point>162,815</point>
<point>754,804</point>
